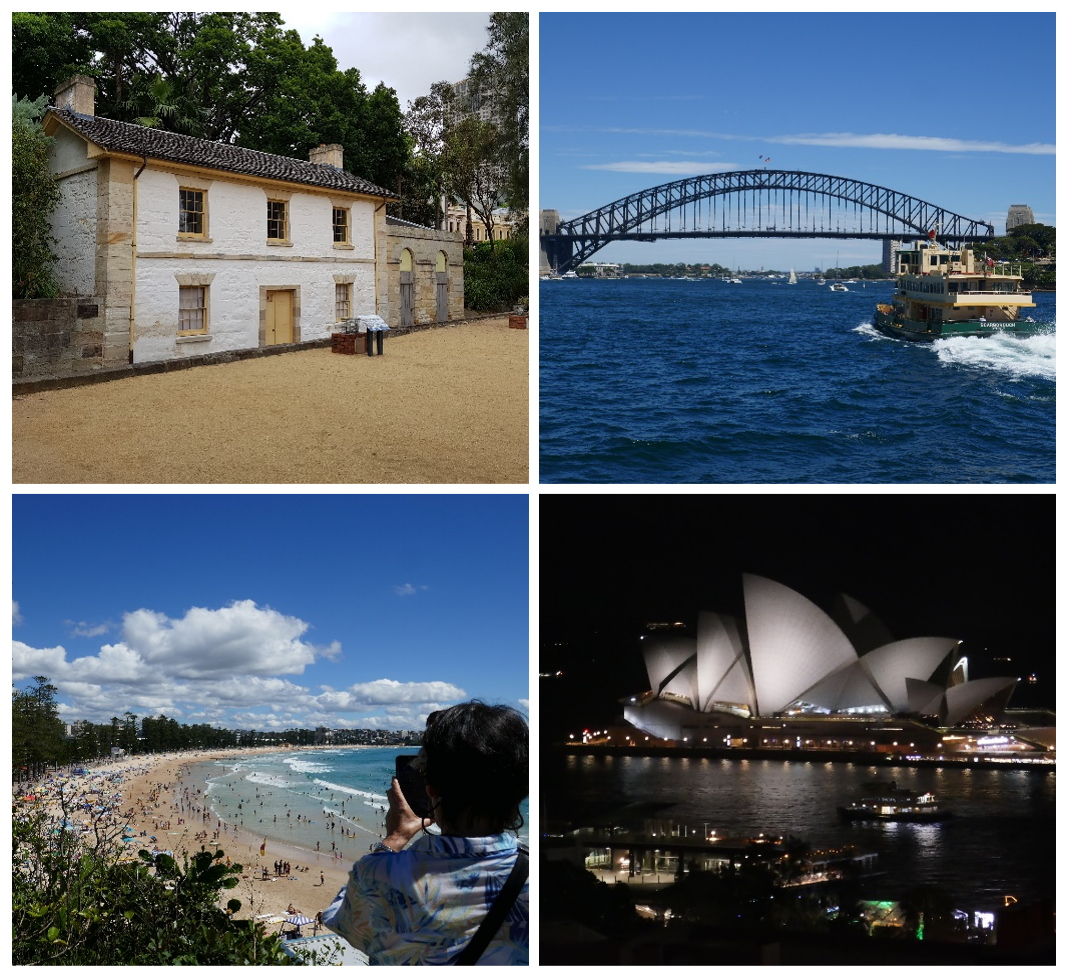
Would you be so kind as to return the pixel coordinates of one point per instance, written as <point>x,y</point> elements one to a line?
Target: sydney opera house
<point>789,658</point>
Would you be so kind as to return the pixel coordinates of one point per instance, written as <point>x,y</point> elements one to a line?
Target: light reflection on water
<point>1001,841</point>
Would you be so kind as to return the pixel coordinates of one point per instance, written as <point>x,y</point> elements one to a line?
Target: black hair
<point>476,757</point>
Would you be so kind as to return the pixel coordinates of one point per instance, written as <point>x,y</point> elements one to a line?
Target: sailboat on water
<point>793,277</point>
<point>837,286</point>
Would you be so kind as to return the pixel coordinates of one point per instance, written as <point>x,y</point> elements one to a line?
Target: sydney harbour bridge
<point>757,204</point>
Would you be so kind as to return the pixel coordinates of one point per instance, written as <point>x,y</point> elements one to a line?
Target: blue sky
<point>272,611</point>
<point>955,109</point>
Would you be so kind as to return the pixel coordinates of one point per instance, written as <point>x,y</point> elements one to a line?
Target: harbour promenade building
<point>791,672</point>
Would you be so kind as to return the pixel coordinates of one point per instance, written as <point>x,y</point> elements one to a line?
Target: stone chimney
<point>77,94</point>
<point>327,155</point>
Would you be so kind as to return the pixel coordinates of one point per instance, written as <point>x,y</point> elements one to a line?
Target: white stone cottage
<point>201,247</point>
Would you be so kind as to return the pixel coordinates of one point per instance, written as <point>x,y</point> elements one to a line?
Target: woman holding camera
<point>459,897</point>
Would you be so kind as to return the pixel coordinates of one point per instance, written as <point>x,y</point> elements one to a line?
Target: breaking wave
<point>370,798</point>
<point>1029,356</point>
<point>303,766</point>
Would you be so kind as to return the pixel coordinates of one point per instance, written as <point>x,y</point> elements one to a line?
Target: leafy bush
<point>496,275</point>
<point>35,193</point>
<point>75,904</point>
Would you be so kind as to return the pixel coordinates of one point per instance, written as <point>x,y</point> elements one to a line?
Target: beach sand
<point>155,785</point>
<point>443,405</point>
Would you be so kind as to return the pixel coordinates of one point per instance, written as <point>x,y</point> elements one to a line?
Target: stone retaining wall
<point>31,384</point>
<point>64,337</point>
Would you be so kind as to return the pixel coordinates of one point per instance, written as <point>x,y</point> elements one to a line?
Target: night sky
<point>975,567</point>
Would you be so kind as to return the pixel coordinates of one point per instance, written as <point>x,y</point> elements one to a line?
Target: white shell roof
<point>792,643</point>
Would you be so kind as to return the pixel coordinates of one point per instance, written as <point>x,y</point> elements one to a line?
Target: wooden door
<point>441,285</point>
<point>407,297</point>
<point>279,317</point>
<point>407,287</point>
<point>443,296</point>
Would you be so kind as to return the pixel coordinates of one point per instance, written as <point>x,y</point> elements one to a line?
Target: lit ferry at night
<point>944,293</point>
<point>886,802</point>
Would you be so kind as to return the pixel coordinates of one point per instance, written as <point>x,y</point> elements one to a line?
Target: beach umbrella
<point>297,920</point>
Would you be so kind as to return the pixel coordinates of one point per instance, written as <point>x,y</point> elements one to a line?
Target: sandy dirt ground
<point>440,406</point>
<point>155,803</point>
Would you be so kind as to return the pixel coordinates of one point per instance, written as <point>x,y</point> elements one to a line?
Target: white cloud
<point>405,589</point>
<point>895,141</point>
<point>222,666</point>
<point>240,638</point>
<point>382,692</point>
<point>16,618</point>
<point>662,166</point>
<point>838,139</point>
<point>85,630</point>
<point>27,661</point>
<point>525,704</point>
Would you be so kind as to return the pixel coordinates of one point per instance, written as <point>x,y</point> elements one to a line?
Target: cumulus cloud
<point>27,661</point>
<point>16,618</point>
<point>240,638</point>
<point>223,666</point>
<point>387,692</point>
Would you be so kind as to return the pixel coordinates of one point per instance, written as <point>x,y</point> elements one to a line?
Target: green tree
<point>35,193</point>
<point>159,104</point>
<point>233,77</point>
<point>500,75</point>
<point>1039,236</point>
<point>46,48</point>
<point>36,731</point>
<point>475,170</point>
<point>425,181</point>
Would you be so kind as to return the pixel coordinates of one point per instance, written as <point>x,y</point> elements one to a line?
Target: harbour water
<point>333,799</point>
<point>669,381</point>
<point>1000,843</point>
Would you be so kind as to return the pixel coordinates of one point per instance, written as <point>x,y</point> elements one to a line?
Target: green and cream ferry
<point>943,293</point>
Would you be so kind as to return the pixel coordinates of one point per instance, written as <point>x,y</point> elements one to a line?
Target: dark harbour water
<point>670,381</point>
<point>1000,842</point>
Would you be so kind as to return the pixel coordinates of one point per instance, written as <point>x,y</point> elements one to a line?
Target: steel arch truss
<point>800,205</point>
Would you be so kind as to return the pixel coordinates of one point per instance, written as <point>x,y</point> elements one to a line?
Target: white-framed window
<point>192,212</point>
<point>277,220</point>
<point>192,309</point>
<point>342,301</point>
<point>341,225</point>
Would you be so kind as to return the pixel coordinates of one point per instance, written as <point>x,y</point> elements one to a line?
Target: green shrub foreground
<point>73,904</point>
<point>496,275</point>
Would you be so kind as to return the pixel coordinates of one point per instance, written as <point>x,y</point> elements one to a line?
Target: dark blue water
<point>1001,841</point>
<point>670,381</point>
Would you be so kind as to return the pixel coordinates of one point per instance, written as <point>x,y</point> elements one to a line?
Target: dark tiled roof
<point>401,223</point>
<point>124,137</point>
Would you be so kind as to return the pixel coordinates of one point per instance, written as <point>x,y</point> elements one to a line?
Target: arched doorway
<point>407,287</point>
<point>441,286</point>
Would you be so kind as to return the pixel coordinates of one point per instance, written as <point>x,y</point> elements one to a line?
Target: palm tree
<point>157,103</point>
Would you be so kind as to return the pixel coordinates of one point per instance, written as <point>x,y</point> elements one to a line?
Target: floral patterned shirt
<point>422,905</point>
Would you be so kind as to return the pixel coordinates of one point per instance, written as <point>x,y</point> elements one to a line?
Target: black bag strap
<point>504,902</point>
